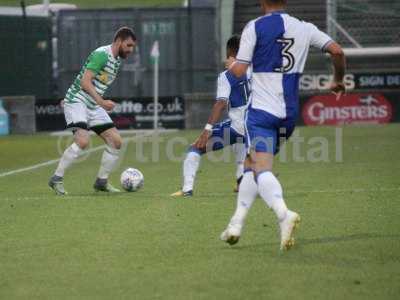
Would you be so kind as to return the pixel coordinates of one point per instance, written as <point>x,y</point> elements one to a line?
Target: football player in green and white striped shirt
<point>85,109</point>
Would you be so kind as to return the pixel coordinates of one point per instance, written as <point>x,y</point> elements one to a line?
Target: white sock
<point>240,152</point>
<point>190,167</point>
<point>70,154</point>
<point>246,196</point>
<point>108,162</point>
<point>271,191</point>
<point>239,170</point>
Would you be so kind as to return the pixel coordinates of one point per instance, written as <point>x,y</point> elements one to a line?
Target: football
<point>132,180</point>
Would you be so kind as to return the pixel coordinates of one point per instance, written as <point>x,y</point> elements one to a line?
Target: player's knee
<point>117,142</point>
<point>262,163</point>
<point>248,163</point>
<point>81,138</point>
<point>82,142</point>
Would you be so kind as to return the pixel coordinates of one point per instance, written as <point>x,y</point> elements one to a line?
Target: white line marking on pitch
<point>54,161</point>
<point>45,164</point>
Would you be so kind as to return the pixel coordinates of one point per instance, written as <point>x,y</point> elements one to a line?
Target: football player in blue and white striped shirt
<point>232,93</point>
<point>276,45</point>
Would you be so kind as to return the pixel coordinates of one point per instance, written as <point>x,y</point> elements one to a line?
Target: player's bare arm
<point>237,68</point>
<point>339,67</point>
<point>88,87</point>
<point>215,115</point>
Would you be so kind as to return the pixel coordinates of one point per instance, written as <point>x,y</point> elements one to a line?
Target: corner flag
<point>155,55</point>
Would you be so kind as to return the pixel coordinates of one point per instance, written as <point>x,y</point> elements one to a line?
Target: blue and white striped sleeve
<point>223,88</point>
<point>248,41</point>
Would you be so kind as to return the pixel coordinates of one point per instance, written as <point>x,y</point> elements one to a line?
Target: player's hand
<point>108,105</point>
<point>201,142</point>
<point>229,62</point>
<point>338,88</point>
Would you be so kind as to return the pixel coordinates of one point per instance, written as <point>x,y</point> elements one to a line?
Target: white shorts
<point>77,115</point>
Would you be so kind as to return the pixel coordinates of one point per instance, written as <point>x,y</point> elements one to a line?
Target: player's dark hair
<point>233,44</point>
<point>124,33</point>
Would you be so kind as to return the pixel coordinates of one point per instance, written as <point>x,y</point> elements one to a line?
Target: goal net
<point>365,27</point>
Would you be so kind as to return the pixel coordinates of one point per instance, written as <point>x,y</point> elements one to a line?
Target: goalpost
<point>46,5</point>
<point>372,51</point>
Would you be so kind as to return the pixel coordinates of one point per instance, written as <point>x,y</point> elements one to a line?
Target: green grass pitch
<point>146,245</point>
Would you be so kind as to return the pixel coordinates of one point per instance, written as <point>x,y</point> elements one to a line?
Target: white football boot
<point>57,184</point>
<point>231,234</point>
<point>287,228</point>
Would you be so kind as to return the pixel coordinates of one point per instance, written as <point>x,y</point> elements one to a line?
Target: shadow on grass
<point>302,255</point>
<point>315,241</point>
<point>347,238</point>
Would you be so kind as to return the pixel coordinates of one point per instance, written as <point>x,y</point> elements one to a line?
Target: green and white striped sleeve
<point>97,61</point>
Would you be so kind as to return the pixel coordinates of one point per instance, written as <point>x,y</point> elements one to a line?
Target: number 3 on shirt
<point>289,58</point>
